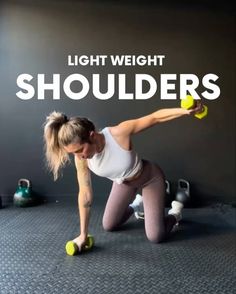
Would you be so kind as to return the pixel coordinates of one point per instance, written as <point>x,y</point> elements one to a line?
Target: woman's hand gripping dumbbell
<point>79,244</point>
<point>194,106</point>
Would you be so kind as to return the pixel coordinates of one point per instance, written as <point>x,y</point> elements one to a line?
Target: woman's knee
<point>156,237</point>
<point>108,225</point>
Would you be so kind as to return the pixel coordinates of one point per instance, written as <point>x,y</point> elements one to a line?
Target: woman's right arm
<point>85,198</point>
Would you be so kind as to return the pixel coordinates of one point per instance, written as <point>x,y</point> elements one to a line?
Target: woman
<point>110,154</point>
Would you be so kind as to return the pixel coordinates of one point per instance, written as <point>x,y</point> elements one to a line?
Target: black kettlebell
<point>23,196</point>
<point>183,191</point>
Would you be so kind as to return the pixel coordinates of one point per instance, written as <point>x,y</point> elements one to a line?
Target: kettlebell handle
<point>167,186</point>
<point>183,184</point>
<point>24,181</point>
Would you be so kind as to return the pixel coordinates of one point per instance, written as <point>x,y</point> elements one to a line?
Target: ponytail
<point>55,155</point>
<point>59,131</point>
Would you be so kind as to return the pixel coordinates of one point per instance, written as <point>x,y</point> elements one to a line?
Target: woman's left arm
<point>135,126</point>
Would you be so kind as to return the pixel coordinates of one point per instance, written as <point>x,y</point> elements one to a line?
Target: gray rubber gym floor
<point>199,257</point>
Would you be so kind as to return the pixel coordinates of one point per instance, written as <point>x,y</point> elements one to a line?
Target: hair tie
<point>65,118</point>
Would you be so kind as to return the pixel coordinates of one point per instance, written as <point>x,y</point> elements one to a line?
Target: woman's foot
<point>176,210</point>
<point>137,206</point>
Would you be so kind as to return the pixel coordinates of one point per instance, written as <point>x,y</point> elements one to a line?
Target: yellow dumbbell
<point>72,248</point>
<point>188,103</point>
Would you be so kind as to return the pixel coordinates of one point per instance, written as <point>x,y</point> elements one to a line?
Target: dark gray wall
<point>37,36</point>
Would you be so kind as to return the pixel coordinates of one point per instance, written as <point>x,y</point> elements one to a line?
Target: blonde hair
<point>59,131</point>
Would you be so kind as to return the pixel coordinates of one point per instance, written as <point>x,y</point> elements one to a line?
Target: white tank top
<point>114,162</point>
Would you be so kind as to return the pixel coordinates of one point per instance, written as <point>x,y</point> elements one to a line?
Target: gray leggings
<point>152,183</point>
